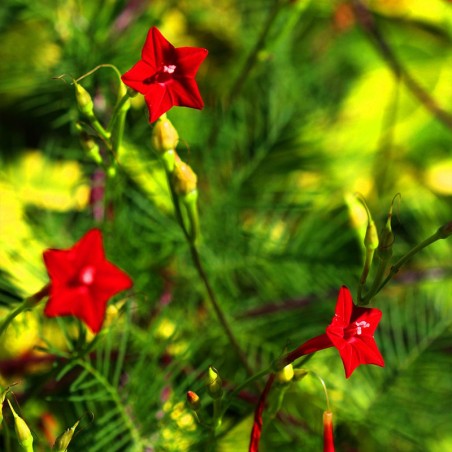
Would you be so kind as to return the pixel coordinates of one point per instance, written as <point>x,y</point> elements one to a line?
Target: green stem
<point>218,311</point>
<point>119,108</point>
<point>191,239</point>
<point>101,132</point>
<point>365,300</point>
<point>177,209</point>
<point>217,414</point>
<point>190,202</point>
<point>26,305</point>
<point>250,380</point>
<point>118,131</point>
<point>396,267</point>
<point>365,272</point>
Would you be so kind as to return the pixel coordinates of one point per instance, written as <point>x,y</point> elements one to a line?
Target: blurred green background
<point>303,110</point>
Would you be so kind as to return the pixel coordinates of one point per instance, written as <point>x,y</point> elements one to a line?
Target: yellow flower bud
<point>285,375</point>
<point>62,442</point>
<point>184,178</point>
<point>215,384</point>
<point>84,101</point>
<point>371,238</point>
<point>23,433</point>
<point>164,136</point>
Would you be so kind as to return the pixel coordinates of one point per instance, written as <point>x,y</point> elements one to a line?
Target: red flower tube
<point>328,439</point>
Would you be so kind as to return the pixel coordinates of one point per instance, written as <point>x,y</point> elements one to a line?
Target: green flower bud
<point>371,238</point>
<point>299,374</point>
<point>215,384</point>
<point>62,442</point>
<point>84,101</point>
<point>164,136</point>
<point>193,400</point>
<point>23,433</point>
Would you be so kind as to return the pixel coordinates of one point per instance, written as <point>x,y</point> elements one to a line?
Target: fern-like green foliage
<point>302,112</point>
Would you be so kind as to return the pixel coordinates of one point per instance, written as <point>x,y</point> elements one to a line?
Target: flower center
<point>360,326</point>
<point>86,276</point>
<point>163,75</point>
<point>355,329</point>
<point>170,69</point>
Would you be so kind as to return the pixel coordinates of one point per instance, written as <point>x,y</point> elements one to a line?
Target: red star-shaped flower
<point>352,333</point>
<point>83,280</point>
<point>166,75</point>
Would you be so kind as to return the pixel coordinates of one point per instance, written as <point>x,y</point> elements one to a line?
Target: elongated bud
<point>328,439</point>
<point>62,442</point>
<point>371,238</point>
<point>193,400</point>
<point>285,376</point>
<point>184,178</point>
<point>23,433</point>
<point>215,384</point>
<point>299,374</point>
<point>84,102</point>
<point>164,136</point>
<point>370,243</point>
<point>384,251</point>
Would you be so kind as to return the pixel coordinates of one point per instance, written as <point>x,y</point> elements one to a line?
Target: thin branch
<point>366,20</point>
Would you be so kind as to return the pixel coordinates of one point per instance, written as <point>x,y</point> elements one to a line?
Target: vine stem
<point>203,275</point>
<point>218,311</point>
<point>26,305</point>
<point>396,267</point>
<point>366,20</point>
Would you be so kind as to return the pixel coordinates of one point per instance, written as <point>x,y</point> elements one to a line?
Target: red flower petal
<point>135,77</point>
<point>344,307</point>
<point>157,51</point>
<point>184,92</point>
<point>188,60</point>
<point>158,100</point>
